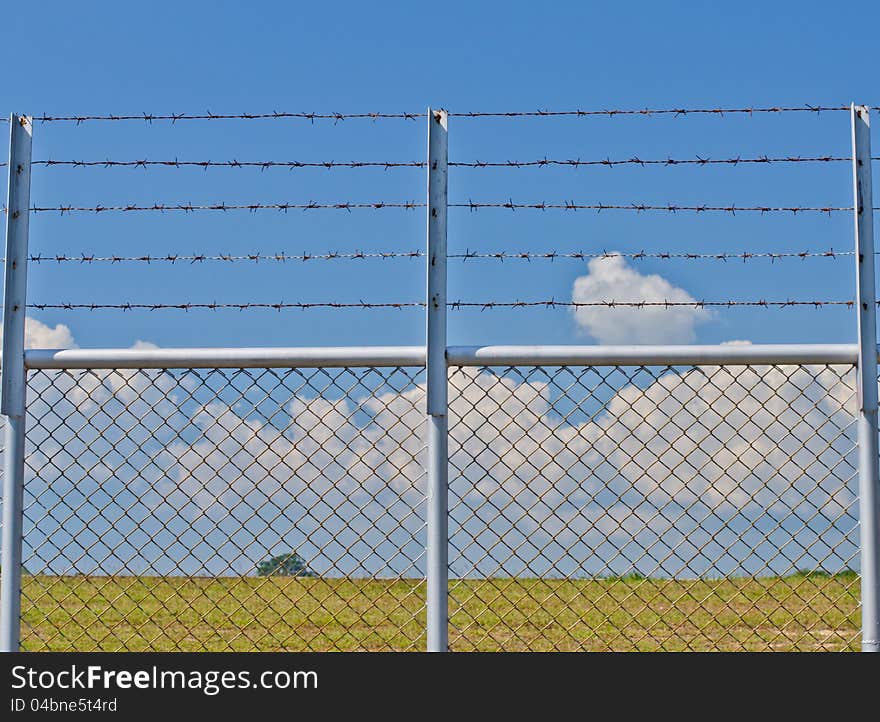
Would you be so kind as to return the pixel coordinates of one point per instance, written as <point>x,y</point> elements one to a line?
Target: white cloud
<point>666,463</point>
<point>578,472</point>
<point>38,335</point>
<point>611,279</point>
<point>144,345</point>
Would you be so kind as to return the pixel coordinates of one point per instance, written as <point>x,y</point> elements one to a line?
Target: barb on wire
<point>538,163</point>
<point>172,258</point>
<point>455,305</point>
<point>337,117</point>
<point>411,205</point>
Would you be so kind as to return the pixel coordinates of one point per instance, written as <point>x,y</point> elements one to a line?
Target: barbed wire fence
<point>337,117</point>
<point>566,496</point>
<point>282,257</point>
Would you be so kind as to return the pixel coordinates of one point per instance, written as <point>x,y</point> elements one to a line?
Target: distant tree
<point>290,564</point>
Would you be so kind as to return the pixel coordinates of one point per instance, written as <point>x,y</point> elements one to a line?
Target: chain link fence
<point>598,508</point>
<point>629,508</point>
<point>224,510</point>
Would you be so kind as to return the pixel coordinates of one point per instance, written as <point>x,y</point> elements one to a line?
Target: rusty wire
<point>213,306</point>
<point>205,164</point>
<point>208,115</point>
<point>661,255</point>
<point>411,205</point>
<point>675,112</point>
<point>337,117</point>
<point>454,305</point>
<point>218,306</point>
<point>191,207</point>
<point>552,303</point>
<point>537,163</point>
<point>643,207</point>
<point>172,258</point>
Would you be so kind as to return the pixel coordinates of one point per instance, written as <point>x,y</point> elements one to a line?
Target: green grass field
<point>800,612</point>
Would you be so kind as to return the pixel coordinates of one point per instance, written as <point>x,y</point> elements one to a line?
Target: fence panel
<point>653,507</point>
<point>603,507</point>
<point>224,509</point>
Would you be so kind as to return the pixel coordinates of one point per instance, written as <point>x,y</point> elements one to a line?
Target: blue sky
<point>174,57</point>
<point>159,57</point>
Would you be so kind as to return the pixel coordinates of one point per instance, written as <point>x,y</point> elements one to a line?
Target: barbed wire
<point>675,112</point>
<point>172,258</point>
<point>208,115</point>
<point>386,165</point>
<point>218,306</point>
<point>205,164</point>
<point>454,305</point>
<point>411,205</point>
<point>338,117</point>
<point>643,207</point>
<point>227,257</point>
<point>551,303</point>
<point>191,208</point>
<point>661,255</point>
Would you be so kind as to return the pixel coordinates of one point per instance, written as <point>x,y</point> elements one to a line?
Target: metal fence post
<point>869,498</point>
<point>437,552</point>
<point>12,398</point>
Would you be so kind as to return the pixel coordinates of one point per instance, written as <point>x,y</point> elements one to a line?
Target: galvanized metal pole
<point>437,552</point>
<point>869,462</point>
<point>12,393</point>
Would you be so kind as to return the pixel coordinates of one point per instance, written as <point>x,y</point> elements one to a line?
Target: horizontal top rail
<point>386,356</point>
<point>726,354</point>
<point>173,358</point>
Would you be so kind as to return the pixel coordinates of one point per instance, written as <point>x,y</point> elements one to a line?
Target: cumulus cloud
<point>559,472</point>
<point>664,475</point>
<point>144,345</point>
<point>38,335</point>
<point>612,279</point>
<point>661,475</point>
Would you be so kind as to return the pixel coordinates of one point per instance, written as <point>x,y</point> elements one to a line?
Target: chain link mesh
<point>153,497</point>
<point>705,508</point>
<point>696,508</point>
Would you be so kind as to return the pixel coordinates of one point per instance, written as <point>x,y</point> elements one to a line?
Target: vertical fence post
<point>437,552</point>
<point>869,494</point>
<point>12,393</point>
